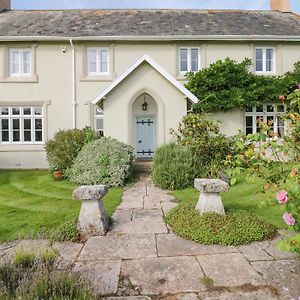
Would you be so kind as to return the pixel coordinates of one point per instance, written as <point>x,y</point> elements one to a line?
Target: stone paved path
<point>141,258</point>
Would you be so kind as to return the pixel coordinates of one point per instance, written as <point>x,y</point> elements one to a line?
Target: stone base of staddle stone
<point>92,219</point>
<point>210,202</point>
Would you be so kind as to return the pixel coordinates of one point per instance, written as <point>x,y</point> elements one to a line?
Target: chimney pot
<point>281,5</point>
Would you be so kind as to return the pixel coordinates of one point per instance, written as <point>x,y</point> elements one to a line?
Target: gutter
<point>74,103</point>
<point>291,38</point>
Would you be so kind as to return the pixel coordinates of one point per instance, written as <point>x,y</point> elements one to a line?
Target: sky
<point>201,4</point>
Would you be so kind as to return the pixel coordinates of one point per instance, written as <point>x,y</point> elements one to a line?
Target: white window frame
<point>189,59</point>
<point>98,61</point>
<point>98,117</point>
<point>20,52</point>
<point>254,114</point>
<point>264,61</point>
<point>21,117</point>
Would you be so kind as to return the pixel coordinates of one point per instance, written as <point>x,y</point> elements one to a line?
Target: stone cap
<point>211,185</point>
<point>90,192</point>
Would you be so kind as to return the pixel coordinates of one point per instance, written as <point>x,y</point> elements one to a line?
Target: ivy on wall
<point>227,84</point>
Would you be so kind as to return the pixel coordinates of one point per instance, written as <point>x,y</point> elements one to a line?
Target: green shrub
<point>66,232</point>
<point>65,146</point>
<point>173,167</point>
<point>24,259</point>
<point>104,161</point>
<point>234,228</point>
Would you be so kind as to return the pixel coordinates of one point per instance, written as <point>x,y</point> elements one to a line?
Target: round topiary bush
<point>104,161</point>
<point>235,228</point>
<point>173,167</point>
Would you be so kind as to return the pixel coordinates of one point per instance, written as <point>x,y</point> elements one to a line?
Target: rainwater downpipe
<point>74,103</point>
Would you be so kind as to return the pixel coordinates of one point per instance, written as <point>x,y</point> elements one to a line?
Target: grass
<point>32,201</point>
<point>244,196</point>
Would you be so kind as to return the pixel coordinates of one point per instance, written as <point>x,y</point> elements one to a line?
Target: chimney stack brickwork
<point>5,4</point>
<point>281,5</point>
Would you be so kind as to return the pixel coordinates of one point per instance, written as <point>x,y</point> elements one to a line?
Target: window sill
<point>30,79</point>
<point>97,78</point>
<point>181,77</point>
<point>21,147</point>
<point>265,73</point>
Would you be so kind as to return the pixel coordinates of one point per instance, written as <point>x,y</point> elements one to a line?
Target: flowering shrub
<point>104,161</point>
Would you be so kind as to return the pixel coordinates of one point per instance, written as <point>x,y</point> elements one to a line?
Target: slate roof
<point>147,23</point>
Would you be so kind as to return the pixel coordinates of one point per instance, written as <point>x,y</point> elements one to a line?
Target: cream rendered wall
<point>53,86</point>
<point>119,111</point>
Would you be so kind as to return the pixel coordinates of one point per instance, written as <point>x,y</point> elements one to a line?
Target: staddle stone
<point>92,218</point>
<point>210,199</point>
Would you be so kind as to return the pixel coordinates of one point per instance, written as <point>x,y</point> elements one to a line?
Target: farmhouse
<point>122,72</point>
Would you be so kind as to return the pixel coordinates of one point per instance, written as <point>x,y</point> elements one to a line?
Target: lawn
<point>33,201</point>
<point>244,196</point>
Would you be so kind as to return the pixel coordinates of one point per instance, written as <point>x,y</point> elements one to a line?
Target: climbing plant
<point>228,84</point>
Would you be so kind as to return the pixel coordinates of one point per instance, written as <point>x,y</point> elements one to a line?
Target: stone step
<point>143,166</point>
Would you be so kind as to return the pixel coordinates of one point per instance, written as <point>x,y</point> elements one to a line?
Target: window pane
<point>16,130</point>
<point>280,127</point>
<point>27,130</point>
<point>104,60</point>
<point>270,108</point>
<point>270,123</point>
<point>27,111</point>
<point>38,111</point>
<point>269,60</point>
<point>259,121</point>
<point>259,60</point>
<point>38,124</point>
<point>14,62</point>
<point>4,124</point>
<point>249,120</point>
<point>5,136</point>
<point>183,60</point>
<point>259,108</point>
<point>99,124</point>
<point>249,109</point>
<point>194,60</point>
<point>280,108</point>
<point>26,62</point>
<point>38,136</point>
<point>98,112</point>
<point>4,111</point>
<point>16,111</point>
<point>92,60</point>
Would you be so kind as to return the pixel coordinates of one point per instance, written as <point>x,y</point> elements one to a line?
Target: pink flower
<point>282,197</point>
<point>288,219</point>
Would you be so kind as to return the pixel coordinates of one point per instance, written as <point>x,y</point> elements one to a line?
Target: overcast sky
<point>206,4</point>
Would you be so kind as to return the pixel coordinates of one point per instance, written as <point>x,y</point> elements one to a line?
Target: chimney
<point>5,5</point>
<point>281,5</point>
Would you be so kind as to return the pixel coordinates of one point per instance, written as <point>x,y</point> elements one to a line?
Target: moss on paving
<point>32,201</point>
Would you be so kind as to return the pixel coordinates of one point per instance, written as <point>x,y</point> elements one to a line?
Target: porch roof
<point>157,67</point>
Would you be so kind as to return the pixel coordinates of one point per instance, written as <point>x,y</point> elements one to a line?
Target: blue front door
<point>145,137</point>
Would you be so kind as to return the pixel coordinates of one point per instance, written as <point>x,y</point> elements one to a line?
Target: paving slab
<point>131,202</point>
<point>229,269</point>
<point>272,249</point>
<point>143,222</point>
<point>164,275</point>
<point>167,206</point>
<point>129,298</point>
<point>101,276</point>
<point>121,216</point>
<point>254,252</point>
<point>261,294</point>
<point>284,274</point>
<point>119,247</point>
<point>151,202</point>
<point>172,245</point>
<point>68,253</point>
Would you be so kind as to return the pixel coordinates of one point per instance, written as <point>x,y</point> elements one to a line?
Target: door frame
<point>154,134</point>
